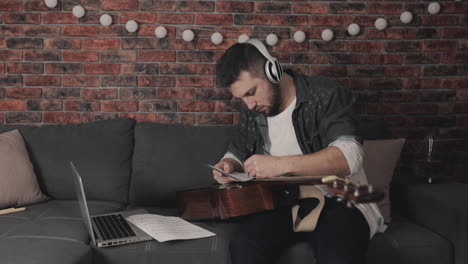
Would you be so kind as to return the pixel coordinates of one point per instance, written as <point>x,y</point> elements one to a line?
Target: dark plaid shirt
<point>322,114</point>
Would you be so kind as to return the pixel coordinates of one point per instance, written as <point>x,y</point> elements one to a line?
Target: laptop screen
<point>79,190</point>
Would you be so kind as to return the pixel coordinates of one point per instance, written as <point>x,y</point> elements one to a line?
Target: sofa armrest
<point>442,208</point>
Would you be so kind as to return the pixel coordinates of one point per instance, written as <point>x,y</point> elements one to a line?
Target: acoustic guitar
<point>243,198</point>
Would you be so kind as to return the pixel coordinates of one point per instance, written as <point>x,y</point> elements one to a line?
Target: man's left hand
<point>263,166</point>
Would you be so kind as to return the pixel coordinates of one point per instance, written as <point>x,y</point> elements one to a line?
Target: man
<point>293,124</point>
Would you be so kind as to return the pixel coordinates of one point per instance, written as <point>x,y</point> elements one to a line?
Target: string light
<point>78,11</point>
<point>106,20</point>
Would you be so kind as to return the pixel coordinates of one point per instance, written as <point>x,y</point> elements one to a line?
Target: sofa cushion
<point>18,182</point>
<point>169,158</point>
<point>102,152</point>
<point>407,243</point>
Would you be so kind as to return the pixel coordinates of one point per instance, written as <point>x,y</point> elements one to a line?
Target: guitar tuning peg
<point>349,204</point>
<point>339,199</point>
<point>370,189</point>
<point>356,192</point>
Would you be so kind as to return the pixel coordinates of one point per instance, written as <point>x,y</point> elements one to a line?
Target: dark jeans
<point>341,236</point>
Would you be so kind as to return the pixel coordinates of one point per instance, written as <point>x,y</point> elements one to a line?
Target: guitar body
<point>243,198</point>
<point>235,199</point>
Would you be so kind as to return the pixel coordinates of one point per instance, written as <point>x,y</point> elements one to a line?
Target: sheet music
<point>166,228</point>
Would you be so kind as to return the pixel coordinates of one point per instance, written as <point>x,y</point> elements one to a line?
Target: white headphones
<point>273,70</point>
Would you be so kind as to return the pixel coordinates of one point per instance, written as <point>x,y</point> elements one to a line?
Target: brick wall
<point>55,68</point>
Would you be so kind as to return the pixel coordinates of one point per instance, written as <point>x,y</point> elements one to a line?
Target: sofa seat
<point>204,250</point>
<point>49,232</point>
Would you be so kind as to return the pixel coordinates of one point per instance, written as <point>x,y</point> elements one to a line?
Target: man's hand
<point>263,166</point>
<point>227,167</point>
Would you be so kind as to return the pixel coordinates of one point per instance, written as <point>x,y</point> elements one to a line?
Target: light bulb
<point>106,20</point>
<point>353,29</point>
<point>50,3</point>
<point>78,11</point>
<point>299,36</point>
<point>131,26</point>
<point>216,38</point>
<point>406,17</point>
<point>327,35</point>
<point>188,35</point>
<point>433,8</point>
<point>272,39</point>
<point>160,32</point>
<point>380,23</point>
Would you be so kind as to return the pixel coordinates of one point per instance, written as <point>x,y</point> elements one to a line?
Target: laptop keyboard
<point>113,226</point>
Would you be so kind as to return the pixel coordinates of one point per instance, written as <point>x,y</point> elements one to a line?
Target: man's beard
<point>275,99</point>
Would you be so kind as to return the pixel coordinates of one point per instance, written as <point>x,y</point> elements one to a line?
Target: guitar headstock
<point>352,193</point>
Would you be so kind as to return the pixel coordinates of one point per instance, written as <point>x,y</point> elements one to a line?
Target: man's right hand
<point>227,167</point>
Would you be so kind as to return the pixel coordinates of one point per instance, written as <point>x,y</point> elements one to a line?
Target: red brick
<point>422,58</point>
<point>455,32</point>
<point>195,56</point>
<point>61,93</point>
<point>139,43</point>
<point>178,68</point>
<point>99,94</point>
<point>421,83</point>
<point>272,8</point>
<point>227,106</point>
<point>59,18</point>
<point>196,6</point>
<point>234,6</point>
<point>11,55</point>
<point>385,59</point>
<point>454,8</point>
<point>2,118</point>
<point>250,19</point>
<point>172,118</point>
<point>213,19</point>
<point>330,20</point>
<point>80,31</point>
<point>151,5</point>
<point>310,8</point>
<point>158,106</point>
<point>23,93</point>
<point>11,80</point>
<point>102,68</point>
<point>330,71</point>
<point>11,30</point>
<point>45,105</point>
<point>62,43</point>
<point>156,81</point>
<point>196,81</point>
<point>100,44</point>
<point>206,69</point>
<point>62,117</point>
<point>75,55</point>
<point>439,45</point>
<point>42,30</point>
<point>400,96</point>
<point>118,55</point>
<point>22,18</point>
<point>2,68</point>
<point>25,68</point>
<point>455,83</point>
<point>141,117</point>
<point>120,106</point>
<point>120,5</point>
<point>290,20</point>
<point>365,71</point>
<point>42,55</point>
<point>366,46</point>
<point>168,18</point>
<point>37,5</point>
<point>176,94</point>
<point>42,80</point>
<point>82,106</point>
<point>140,68</point>
<point>384,8</point>
<point>397,71</point>
<point>213,94</point>
<point>310,58</point>
<point>12,105</point>
<point>138,93</point>
<point>455,58</point>
<point>11,5</point>
<point>439,20</point>
<point>91,117</point>
<point>195,106</point>
<point>211,119</point>
<point>291,45</point>
<point>205,44</point>
<point>2,43</point>
<point>23,117</point>
<point>157,55</point>
<point>64,68</point>
<point>80,81</point>
<point>139,17</point>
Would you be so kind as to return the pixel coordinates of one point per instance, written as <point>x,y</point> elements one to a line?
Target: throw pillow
<point>18,182</point>
<point>380,160</point>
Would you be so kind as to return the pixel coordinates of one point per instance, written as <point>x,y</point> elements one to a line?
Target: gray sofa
<point>128,165</point>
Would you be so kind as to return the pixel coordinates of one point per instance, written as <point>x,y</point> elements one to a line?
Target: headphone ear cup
<point>270,72</point>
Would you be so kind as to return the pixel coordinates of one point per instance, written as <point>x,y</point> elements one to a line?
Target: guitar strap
<point>306,222</point>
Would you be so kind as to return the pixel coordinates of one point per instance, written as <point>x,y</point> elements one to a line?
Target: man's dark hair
<point>239,57</point>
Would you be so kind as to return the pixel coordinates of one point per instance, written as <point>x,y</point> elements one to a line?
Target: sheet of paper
<point>166,228</point>
<point>240,176</point>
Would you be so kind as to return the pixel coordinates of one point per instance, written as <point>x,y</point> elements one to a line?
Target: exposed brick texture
<point>56,68</point>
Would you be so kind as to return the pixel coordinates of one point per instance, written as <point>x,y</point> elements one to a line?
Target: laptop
<point>107,229</point>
